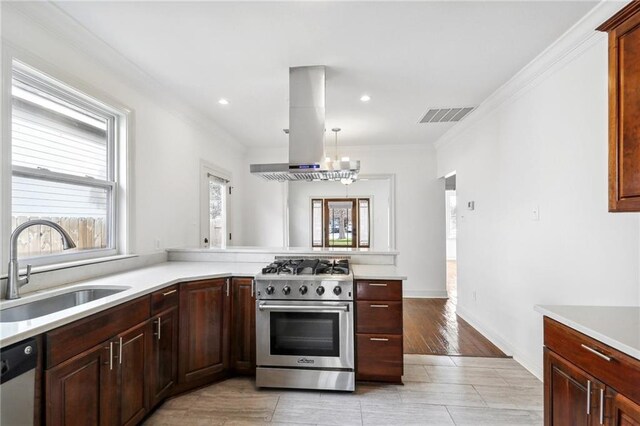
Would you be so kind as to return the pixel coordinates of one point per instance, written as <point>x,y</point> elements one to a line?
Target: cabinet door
<point>624,108</point>
<point>571,396</point>
<point>623,411</point>
<point>204,330</point>
<point>134,350</point>
<point>243,324</point>
<point>164,355</point>
<point>80,391</point>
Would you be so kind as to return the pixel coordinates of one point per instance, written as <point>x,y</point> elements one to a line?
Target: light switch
<point>535,213</point>
<point>471,205</point>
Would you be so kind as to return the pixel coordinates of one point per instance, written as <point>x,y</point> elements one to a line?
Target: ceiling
<point>407,56</point>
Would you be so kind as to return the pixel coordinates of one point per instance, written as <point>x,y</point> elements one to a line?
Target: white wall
<point>545,147</point>
<point>420,230</point>
<point>166,146</point>
<point>301,193</point>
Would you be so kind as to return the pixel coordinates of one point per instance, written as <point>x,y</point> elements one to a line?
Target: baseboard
<point>428,294</point>
<point>500,342</point>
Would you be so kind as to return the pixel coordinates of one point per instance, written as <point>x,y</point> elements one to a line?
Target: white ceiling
<point>406,56</point>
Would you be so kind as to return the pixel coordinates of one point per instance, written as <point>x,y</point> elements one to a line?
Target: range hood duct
<point>306,134</point>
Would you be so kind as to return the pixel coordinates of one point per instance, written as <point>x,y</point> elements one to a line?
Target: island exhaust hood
<point>307,161</point>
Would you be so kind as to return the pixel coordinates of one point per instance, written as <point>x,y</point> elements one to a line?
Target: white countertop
<point>376,272</point>
<point>287,250</point>
<point>142,281</point>
<point>616,326</point>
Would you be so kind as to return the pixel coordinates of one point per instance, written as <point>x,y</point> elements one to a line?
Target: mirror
<point>330,214</point>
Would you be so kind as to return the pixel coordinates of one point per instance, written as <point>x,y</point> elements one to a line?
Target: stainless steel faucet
<point>14,280</point>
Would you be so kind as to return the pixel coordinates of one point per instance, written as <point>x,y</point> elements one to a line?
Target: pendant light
<point>337,159</point>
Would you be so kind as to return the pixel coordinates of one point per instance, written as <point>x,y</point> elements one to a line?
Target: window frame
<point>118,130</point>
<point>325,218</point>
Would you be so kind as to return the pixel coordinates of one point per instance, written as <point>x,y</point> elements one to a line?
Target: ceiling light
<point>365,98</point>
<point>223,101</point>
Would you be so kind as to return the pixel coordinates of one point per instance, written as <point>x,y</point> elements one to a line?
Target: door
<point>310,334</point>
<point>204,330</point>
<point>624,412</point>
<point>243,320</point>
<point>164,355</point>
<point>80,390</point>
<point>134,350</point>
<point>571,396</point>
<point>341,222</point>
<point>215,194</point>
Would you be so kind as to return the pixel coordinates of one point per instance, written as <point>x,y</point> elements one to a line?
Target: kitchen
<point>182,99</point>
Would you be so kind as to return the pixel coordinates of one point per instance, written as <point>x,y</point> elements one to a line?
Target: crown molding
<point>576,40</point>
<point>54,21</point>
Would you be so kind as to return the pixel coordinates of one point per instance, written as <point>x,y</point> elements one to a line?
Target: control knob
<point>270,289</point>
<point>337,290</point>
<point>320,290</point>
<point>303,289</point>
<point>286,289</point>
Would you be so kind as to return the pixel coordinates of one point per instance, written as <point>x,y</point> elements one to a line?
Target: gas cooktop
<point>307,267</point>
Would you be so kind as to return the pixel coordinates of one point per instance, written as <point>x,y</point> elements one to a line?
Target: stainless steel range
<point>305,325</point>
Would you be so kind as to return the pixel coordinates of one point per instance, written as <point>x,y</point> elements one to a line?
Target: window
<point>340,222</point>
<point>216,188</point>
<point>63,151</point>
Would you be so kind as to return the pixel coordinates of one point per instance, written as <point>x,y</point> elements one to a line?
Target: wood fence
<point>86,232</point>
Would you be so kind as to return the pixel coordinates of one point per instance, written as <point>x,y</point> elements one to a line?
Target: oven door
<point>306,334</point>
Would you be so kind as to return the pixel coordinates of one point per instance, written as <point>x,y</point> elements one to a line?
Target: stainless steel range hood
<point>306,134</point>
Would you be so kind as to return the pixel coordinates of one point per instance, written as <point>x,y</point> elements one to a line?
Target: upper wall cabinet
<point>624,108</point>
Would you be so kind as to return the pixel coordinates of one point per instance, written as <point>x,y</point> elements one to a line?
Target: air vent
<point>445,115</point>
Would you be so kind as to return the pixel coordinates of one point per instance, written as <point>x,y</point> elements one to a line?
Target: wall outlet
<point>475,296</point>
<point>157,243</point>
<point>535,213</point>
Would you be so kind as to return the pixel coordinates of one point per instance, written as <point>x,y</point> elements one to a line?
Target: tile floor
<point>438,390</point>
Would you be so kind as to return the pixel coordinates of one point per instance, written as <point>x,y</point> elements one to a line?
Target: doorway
<point>215,191</point>
<point>451,222</point>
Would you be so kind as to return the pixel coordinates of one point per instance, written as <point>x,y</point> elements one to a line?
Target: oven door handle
<point>314,308</point>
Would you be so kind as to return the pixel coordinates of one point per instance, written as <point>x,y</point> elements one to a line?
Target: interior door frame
<point>207,168</point>
<point>354,221</point>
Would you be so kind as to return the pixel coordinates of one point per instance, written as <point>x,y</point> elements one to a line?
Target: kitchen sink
<point>55,303</point>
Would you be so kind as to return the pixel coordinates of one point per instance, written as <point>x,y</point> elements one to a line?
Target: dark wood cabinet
<point>379,331</point>
<point>624,108</point>
<point>204,331</point>
<point>163,363</point>
<point>79,391</point>
<point>624,412</point>
<point>587,382</point>
<point>243,326</point>
<point>134,352</point>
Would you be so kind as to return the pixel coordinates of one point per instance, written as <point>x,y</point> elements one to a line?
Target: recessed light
<point>365,98</point>
<point>223,101</point>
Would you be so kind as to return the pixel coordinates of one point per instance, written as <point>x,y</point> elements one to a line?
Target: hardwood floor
<point>432,327</point>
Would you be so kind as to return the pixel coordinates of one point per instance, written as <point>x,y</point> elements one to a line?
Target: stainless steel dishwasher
<point>17,383</point>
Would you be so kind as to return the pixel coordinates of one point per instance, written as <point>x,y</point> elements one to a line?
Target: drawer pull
<point>597,353</point>
<point>169,292</point>
<point>378,306</point>
<point>588,397</point>
<point>378,284</point>
<point>378,339</point>
<point>601,406</point>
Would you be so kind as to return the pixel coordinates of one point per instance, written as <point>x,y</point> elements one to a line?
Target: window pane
<point>340,223</point>
<point>81,210</point>
<point>363,239</point>
<point>316,223</point>
<point>50,133</point>
<point>216,213</point>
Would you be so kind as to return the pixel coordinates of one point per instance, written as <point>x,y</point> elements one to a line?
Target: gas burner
<point>307,267</point>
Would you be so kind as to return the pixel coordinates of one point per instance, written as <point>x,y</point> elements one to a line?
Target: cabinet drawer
<point>621,372</point>
<point>379,290</point>
<point>379,357</point>
<point>379,317</point>
<point>72,339</point>
<point>164,299</point>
